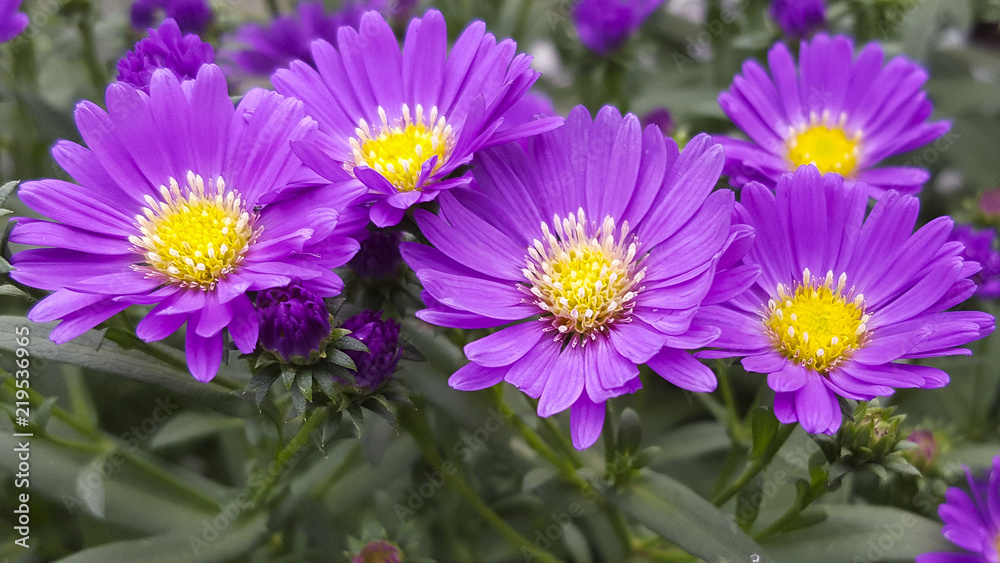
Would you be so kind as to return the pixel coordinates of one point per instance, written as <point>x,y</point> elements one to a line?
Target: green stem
<point>420,431</point>
<point>735,427</point>
<point>564,467</point>
<point>756,466</point>
<point>815,491</point>
<point>563,442</point>
<point>102,444</point>
<point>276,468</point>
<point>90,59</point>
<point>345,465</point>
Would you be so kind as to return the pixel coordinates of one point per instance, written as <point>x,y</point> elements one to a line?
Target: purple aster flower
<point>839,114</point>
<point>841,297</point>
<point>798,18</point>
<point>12,22</point>
<point>603,25</point>
<point>604,240</point>
<point>382,339</point>
<point>972,522</point>
<point>164,48</point>
<point>288,38</point>
<point>379,551</point>
<point>979,247</point>
<point>192,16</point>
<point>404,123</point>
<point>293,321</point>
<point>178,205</point>
<point>379,256</point>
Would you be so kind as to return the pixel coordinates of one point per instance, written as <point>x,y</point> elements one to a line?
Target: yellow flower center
<point>193,237</point>
<point>398,150</point>
<point>583,281</point>
<point>816,325</point>
<point>829,149</point>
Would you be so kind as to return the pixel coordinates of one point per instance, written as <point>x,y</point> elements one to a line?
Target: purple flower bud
<point>382,339</point>
<point>192,16</point>
<point>661,118</point>
<point>979,247</point>
<point>604,25</point>
<point>379,551</point>
<point>798,18</point>
<point>379,255</point>
<point>293,321</point>
<point>164,48</point>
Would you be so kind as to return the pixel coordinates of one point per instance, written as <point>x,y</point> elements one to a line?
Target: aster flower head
<point>164,48</point>
<point>600,242</point>
<point>177,204</point>
<point>980,246</point>
<point>971,521</point>
<point>798,18</point>
<point>838,113</point>
<point>841,297</point>
<point>603,25</point>
<point>382,339</point>
<point>192,16</point>
<point>293,321</point>
<point>288,38</point>
<point>406,124</point>
<point>12,22</point>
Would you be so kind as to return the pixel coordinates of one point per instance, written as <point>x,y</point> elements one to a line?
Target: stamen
<point>582,282</point>
<point>817,325</point>
<point>189,238</point>
<point>400,147</point>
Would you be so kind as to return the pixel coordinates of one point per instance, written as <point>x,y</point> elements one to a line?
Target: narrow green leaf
<point>683,517</point>
<point>748,503</point>
<point>91,351</point>
<point>288,375</point>
<point>189,426</point>
<point>341,359</point>
<point>194,545</point>
<point>859,533</point>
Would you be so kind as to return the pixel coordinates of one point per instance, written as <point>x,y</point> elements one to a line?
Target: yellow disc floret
<point>830,149</point>
<point>816,325</point>
<point>398,150</point>
<point>193,237</point>
<point>583,282</point>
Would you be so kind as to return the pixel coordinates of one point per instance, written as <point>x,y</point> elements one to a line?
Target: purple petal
<point>683,370</point>
<point>473,377</point>
<point>506,346</point>
<point>586,419</point>
<point>204,355</point>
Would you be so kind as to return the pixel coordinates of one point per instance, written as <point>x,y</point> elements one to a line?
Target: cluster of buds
<point>870,441</point>
<point>348,367</point>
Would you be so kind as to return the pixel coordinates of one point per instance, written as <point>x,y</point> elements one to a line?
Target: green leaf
<point>6,189</point>
<point>204,545</point>
<point>764,427</point>
<point>679,515</point>
<point>89,350</point>
<point>341,359</point>
<point>860,533</point>
<point>189,426</point>
<point>748,503</point>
